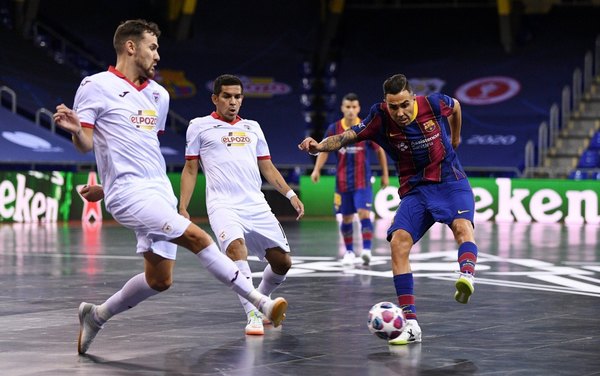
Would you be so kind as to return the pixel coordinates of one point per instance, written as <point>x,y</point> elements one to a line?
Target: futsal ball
<point>386,320</point>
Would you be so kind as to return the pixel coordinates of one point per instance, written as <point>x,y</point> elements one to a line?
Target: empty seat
<point>578,175</point>
<point>595,141</point>
<point>589,159</point>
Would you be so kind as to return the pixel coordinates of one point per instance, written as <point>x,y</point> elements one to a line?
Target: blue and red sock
<point>467,257</point>
<point>347,234</point>
<point>405,291</point>
<point>367,232</point>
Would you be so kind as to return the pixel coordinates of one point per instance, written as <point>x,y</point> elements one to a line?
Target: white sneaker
<point>275,310</point>
<point>464,288</point>
<point>349,258</point>
<point>255,324</point>
<point>410,334</point>
<point>88,328</point>
<point>366,256</point>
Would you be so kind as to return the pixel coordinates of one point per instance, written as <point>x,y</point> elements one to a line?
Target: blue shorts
<point>426,204</point>
<point>349,202</point>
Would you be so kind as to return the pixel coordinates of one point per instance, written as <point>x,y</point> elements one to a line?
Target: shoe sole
<point>278,312</point>
<point>464,291</point>
<point>404,342</point>
<point>255,332</point>
<point>82,307</point>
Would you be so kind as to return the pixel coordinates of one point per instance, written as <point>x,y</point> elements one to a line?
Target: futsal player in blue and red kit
<point>353,188</point>
<point>433,185</point>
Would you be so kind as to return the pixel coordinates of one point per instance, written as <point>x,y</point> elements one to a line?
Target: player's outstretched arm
<point>331,143</point>
<point>67,119</point>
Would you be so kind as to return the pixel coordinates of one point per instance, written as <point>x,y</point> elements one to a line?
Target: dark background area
<point>352,51</point>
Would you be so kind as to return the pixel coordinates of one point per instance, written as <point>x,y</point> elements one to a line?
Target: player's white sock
<point>246,272</point>
<point>227,272</point>
<point>131,294</point>
<point>270,281</point>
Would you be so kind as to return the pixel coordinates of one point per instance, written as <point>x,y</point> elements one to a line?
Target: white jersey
<point>126,119</point>
<point>229,156</point>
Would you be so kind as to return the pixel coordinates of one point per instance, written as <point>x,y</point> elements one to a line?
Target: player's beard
<point>147,70</point>
<point>150,72</point>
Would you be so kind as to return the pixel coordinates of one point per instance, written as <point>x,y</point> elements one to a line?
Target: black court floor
<point>536,308</point>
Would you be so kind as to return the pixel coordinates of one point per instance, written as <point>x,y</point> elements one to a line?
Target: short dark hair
<point>350,97</point>
<point>133,30</point>
<point>226,80</point>
<point>396,84</point>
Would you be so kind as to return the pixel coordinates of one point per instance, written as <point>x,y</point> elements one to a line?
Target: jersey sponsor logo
<point>167,228</point>
<point>144,119</point>
<point>429,126</point>
<point>488,90</point>
<point>352,149</point>
<point>85,82</point>
<point>463,211</point>
<point>424,143</point>
<point>236,139</point>
<point>123,94</point>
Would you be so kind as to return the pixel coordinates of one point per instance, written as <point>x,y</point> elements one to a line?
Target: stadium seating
<point>595,142</point>
<point>493,135</point>
<point>589,159</point>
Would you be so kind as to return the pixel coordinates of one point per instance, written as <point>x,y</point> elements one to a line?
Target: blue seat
<point>589,159</point>
<point>595,141</point>
<point>578,175</point>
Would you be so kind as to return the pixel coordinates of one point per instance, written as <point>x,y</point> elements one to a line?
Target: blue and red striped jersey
<point>353,162</point>
<point>422,151</point>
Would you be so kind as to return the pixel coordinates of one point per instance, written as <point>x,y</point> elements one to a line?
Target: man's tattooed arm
<point>338,141</point>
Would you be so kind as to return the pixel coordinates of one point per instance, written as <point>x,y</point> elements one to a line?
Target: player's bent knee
<point>282,267</point>
<point>401,246</point>
<point>160,285</point>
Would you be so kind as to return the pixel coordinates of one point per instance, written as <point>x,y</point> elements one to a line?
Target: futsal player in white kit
<point>233,153</point>
<point>119,114</point>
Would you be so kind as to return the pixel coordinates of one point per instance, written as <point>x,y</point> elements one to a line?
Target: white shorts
<point>155,221</point>
<point>260,230</point>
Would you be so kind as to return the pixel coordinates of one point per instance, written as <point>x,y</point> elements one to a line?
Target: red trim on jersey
<point>264,157</point>
<point>87,125</point>
<point>219,117</point>
<point>141,87</point>
<point>191,157</point>
<point>161,132</point>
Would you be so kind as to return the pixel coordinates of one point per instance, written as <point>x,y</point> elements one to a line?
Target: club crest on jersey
<point>156,96</point>
<point>167,228</point>
<point>429,126</point>
<point>236,139</point>
<point>144,119</point>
